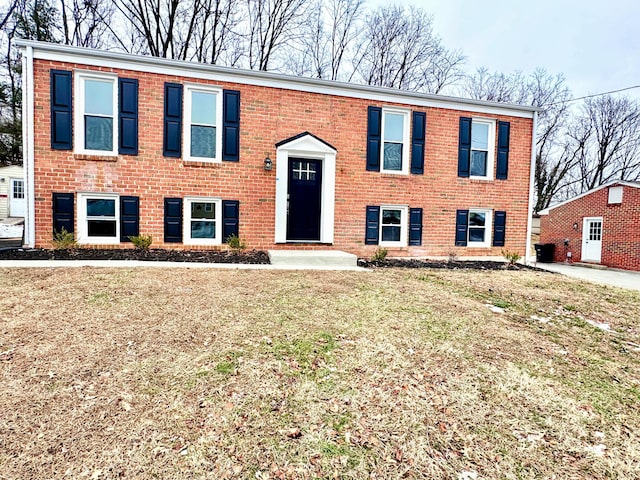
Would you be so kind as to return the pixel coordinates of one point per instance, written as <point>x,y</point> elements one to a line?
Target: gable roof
<point>589,192</point>
<point>148,64</point>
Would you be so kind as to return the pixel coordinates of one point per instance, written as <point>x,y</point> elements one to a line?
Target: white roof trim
<point>148,64</point>
<point>307,143</point>
<point>589,192</point>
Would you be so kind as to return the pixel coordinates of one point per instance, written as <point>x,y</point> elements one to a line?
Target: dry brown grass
<point>141,373</point>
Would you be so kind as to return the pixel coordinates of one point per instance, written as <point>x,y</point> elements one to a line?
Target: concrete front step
<point>320,258</point>
<point>597,266</point>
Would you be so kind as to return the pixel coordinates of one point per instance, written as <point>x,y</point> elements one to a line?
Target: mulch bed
<point>442,264</point>
<point>259,257</point>
<point>155,255</point>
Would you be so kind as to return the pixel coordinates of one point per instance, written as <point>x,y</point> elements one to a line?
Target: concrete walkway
<point>604,276</point>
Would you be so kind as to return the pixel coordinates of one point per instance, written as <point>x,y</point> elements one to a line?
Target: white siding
<point>7,173</point>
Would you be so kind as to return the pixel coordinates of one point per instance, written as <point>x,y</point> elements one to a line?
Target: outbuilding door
<point>16,198</point>
<point>592,239</point>
<point>305,199</point>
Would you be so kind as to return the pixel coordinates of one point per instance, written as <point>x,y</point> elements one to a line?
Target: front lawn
<point>189,373</point>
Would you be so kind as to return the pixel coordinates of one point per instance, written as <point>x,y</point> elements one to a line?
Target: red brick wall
<point>270,115</point>
<point>620,227</point>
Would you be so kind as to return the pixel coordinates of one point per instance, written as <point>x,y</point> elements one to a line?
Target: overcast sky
<point>595,44</point>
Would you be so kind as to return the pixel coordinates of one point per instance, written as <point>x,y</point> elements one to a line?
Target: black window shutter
<point>374,130</point>
<point>373,225</point>
<point>129,218</point>
<point>502,168</point>
<point>499,228</point>
<point>127,116</point>
<point>61,104</point>
<point>464,147</point>
<point>462,223</point>
<point>417,142</point>
<point>231,126</point>
<point>230,219</point>
<point>172,146</point>
<point>63,212</point>
<point>415,226</point>
<point>172,220</point>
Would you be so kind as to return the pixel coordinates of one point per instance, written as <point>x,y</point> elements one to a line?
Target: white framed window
<point>483,134</point>
<point>202,221</point>
<point>96,113</point>
<point>395,141</point>
<point>393,225</point>
<point>17,189</point>
<point>203,123</point>
<point>98,218</point>
<point>479,231</point>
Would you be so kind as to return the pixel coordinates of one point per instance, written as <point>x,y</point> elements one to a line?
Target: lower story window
<point>393,226</point>
<point>202,225</point>
<point>98,218</point>
<point>479,223</point>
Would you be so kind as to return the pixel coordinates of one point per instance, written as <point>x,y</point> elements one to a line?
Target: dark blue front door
<point>305,199</point>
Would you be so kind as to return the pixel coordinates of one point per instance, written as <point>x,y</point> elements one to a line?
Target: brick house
<point>119,145</point>
<point>599,226</point>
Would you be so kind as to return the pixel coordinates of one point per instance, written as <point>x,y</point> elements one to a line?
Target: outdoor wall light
<point>268,164</point>
<point>575,226</point>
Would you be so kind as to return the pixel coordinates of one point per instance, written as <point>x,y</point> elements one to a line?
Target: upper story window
<point>395,141</point>
<point>96,114</point>
<point>477,148</point>
<point>203,119</point>
<point>482,148</point>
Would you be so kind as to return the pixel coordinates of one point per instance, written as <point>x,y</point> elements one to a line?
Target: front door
<point>305,199</point>
<point>592,239</point>
<point>16,198</point>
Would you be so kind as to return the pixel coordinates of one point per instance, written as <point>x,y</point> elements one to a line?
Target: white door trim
<point>591,248</point>
<point>306,146</point>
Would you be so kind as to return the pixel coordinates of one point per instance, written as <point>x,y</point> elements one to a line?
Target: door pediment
<point>306,142</point>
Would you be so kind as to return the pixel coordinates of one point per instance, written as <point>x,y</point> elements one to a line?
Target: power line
<point>599,94</point>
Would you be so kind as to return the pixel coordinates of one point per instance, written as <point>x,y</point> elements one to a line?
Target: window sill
<point>200,163</point>
<point>95,158</point>
<point>481,179</point>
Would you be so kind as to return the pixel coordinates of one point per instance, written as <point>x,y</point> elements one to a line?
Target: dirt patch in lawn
<point>414,373</point>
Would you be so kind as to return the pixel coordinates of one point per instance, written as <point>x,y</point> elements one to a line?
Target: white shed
<point>12,193</point>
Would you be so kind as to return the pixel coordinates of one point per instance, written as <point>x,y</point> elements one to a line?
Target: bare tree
<point>216,39</point>
<point>6,15</point>
<point>611,150</point>
<point>557,149</point>
<point>330,34</point>
<point>272,24</point>
<point>496,86</point>
<point>87,23</point>
<point>165,27</point>
<point>555,155</point>
<point>400,50</point>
